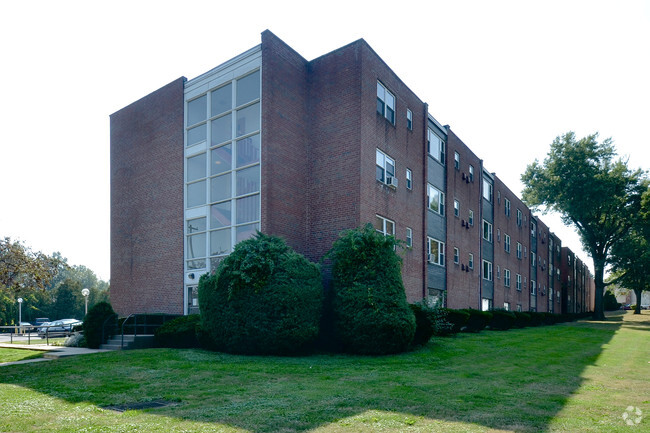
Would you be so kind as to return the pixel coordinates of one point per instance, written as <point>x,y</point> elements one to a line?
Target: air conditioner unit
<point>391,181</point>
<point>462,223</point>
<point>467,226</point>
<point>466,268</point>
<point>463,177</point>
<point>467,179</point>
<point>462,267</point>
<point>430,258</point>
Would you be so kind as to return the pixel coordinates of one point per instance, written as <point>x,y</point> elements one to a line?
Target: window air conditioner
<point>430,258</point>
<point>391,181</point>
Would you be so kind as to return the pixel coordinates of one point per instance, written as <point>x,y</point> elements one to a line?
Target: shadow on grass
<point>514,380</point>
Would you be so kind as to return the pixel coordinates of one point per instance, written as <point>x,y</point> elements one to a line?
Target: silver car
<point>58,328</point>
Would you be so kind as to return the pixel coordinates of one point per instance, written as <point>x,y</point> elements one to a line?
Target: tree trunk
<point>599,272</point>
<point>637,308</point>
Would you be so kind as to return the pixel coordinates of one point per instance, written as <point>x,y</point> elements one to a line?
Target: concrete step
<point>130,342</point>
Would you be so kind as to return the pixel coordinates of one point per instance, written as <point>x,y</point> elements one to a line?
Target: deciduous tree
<point>592,190</point>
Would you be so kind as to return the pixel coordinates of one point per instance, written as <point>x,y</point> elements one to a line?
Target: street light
<point>20,313</point>
<point>86,292</point>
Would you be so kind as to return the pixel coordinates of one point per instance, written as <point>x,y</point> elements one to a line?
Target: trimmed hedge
<point>94,321</point>
<point>179,333</point>
<point>522,319</point>
<point>502,320</point>
<point>370,312</point>
<point>477,321</point>
<point>264,298</point>
<point>457,318</point>
<point>425,324</point>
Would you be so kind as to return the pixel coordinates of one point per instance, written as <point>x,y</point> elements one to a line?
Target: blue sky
<point>504,75</point>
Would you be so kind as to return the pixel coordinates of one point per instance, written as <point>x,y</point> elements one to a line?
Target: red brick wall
<point>285,142</point>
<point>510,261</point>
<point>542,265</point>
<point>147,203</point>
<point>463,287</point>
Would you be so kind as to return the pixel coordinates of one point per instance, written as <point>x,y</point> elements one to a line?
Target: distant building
<point>304,149</point>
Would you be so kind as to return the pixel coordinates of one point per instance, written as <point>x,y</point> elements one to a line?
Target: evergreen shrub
<point>264,298</point>
<point>609,302</point>
<point>536,319</point>
<point>94,321</point>
<point>477,321</point>
<point>457,318</point>
<point>502,320</point>
<point>424,323</point>
<point>179,333</point>
<point>522,319</point>
<point>370,312</point>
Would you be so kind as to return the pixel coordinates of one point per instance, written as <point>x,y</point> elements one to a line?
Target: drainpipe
<point>425,164</point>
<point>480,238</point>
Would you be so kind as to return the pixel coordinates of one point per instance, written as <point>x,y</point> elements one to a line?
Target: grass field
<point>575,377</point>
<point>13,355</point>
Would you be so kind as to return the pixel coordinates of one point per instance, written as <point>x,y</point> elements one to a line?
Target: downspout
<point>425,163</point>
<point>480,237</point>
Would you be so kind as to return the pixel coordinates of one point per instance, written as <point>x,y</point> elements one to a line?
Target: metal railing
<point>20,332</point>
<point>145,328</point>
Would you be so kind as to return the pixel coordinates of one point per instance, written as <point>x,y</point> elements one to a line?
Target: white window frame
<point>506,243</point>
<point>382,91</point>
<point>382,160</point>
<point>519,218</point>
<point>488,190</point>
<point>487,270</point>
<point>518,282</point>
<point>470,261</point>
<point>440,202</point>
<point>456,208</point>
<point>470,218</point>
<point>506,306</point>
<point>439,258</point>
<point>506,207</point>
<point>456,255</point>
<point>409,179</point>
<point>409,237</point>
<point>436,146</point>
<point>519,250</point>
<point>488,225</point>
<point>409,119</point>
<point>471,173</point>
<point>456,160</point>
<point>506,277</point>
<point>385,224</point>
<point>533,262</point>
<point>533,287</point>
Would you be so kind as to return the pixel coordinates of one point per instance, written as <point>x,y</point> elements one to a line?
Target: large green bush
<point>370,312</point>
<point>424,323</point>
<point>609,302</point>
<point>502,320</point>
<point>264,298</point>
<point>458,319</point>
<point>522,319</point>
<point>178,333</point>
<point>94,321</point>
<point>477,321</point>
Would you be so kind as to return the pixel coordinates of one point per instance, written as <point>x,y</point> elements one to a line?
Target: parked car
<point>58,328</point>
<point>40,321</point>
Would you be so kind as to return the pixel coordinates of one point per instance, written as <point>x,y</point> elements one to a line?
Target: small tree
<point>264,298</point>
<point>94,322</point>
<point>371,315</point>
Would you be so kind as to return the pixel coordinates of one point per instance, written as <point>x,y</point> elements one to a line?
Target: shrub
<point>477,321</point>
<point>370,312</point>
<point>178,333</point>
<point>536,319</point>
<point>94,321</point>
<point>441,326</point>
<point>522,319</point>
<point>264,298</point>
<point>609,302</point>
<point>457,318</point>
<point>424,323</point>
<point>75,340</point>
<point>502,320</point>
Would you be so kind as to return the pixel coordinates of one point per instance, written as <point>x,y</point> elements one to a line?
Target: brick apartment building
<point>305,149</point>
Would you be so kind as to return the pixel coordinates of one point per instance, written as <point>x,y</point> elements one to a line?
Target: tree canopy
<point>592,190</point>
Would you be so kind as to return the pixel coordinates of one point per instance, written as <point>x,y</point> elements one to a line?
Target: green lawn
<point>576,377</point>
<point>13,355</point>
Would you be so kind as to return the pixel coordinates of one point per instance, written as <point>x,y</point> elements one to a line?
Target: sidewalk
<point>52,352</point>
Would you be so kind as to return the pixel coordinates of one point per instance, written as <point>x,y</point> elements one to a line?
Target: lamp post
<point>85,293</point>
<point>20,314</point>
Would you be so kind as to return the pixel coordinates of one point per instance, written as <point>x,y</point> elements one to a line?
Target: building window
<point>519,282</point>
<point>436,252</point>
<point>518,218</point>
<point>436,147</point>
<point>470,218</point>
<point>506,306</point>
<point>506,277</point>
<point>470,261</point>
<point>519,308</point>
<point>456,208</point>
<point>533,287</point>
<point>506,243</point>
<point>486,304</point>
<point>533,229</point>
<point>436,200</point>
<point>506,206</point>
<point>409,119</point>
<point>532,259</point>
<point>487,231</point>
<point>385,226</point>
<point>409,179</point>
<point>457,160</point>
<point>498,272</point>
<point>409,237</point>
<point>471,173</point>
<point>385,103</point>
<point>487,190</point>
<point>385,168</point>
<point>456,255</point>
<point>487,270</point>
<point>518,250</point>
